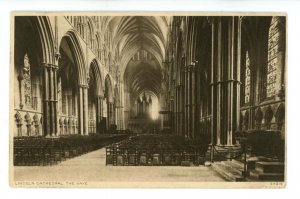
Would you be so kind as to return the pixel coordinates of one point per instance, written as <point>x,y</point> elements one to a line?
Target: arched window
<point>274,49</point>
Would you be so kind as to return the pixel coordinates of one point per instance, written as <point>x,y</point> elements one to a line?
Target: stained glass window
<point>273,46</point>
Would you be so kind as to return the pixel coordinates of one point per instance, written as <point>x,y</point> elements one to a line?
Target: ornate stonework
<point>275,33</point>
<point>27,82</point>
<point>247,79</point>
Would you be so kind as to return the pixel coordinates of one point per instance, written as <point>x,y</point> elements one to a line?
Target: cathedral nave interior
<point>196,91</point>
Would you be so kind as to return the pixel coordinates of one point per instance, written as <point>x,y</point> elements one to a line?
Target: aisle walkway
<point>91,167</point>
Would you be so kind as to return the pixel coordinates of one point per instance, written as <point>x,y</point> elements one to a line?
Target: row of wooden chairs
<point>157,150</point>
<point>37,151</point>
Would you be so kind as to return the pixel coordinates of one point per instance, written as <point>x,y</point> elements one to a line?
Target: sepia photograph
<point>178,99</point>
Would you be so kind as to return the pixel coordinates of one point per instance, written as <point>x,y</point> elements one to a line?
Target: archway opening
<point>67,89</point>
<point>109,99</point>
<point>92,101</point>
<point>28,59</point>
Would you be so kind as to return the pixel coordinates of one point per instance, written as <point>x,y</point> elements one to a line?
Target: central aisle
<point>91,167</point>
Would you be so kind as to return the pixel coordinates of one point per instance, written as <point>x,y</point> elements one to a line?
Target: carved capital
<point>100,97</point>
<point>50,66</point>
<point>83,86</point>
<point>57,56</point>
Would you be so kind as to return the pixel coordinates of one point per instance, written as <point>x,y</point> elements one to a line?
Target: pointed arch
<point>94,71</point>
<point>77,54</point>
<point>90,32</point>
<point>42,26</point>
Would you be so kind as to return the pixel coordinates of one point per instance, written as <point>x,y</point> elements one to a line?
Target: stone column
<point>171,113</point>
<point>107,115</point>
<point>50,100</point>
<point>219,82</point>
<point>180,110</point>
<point>238,30</point>
<point>116,108</point>
<point>76,114</point>
<point>81,113</point>
<point>98,113</point>
<point>162,109</point>
<point>213,82</point>
<point>118,119</point>
<point>101,114</point>
<point>69,102</point>
<point>86,111</point>
<point>193,99</point>
<point>122,107</point>
<point>230,82</point>
<point>226,32</point>
<point>176,111</point>
<point>186,101</point>
<point>114,113</point>
<point>233,78</point>
<point>20,80</point>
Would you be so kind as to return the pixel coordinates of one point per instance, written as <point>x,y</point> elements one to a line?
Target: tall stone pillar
<point>107,115</point>
<point>233,78</point>
<point>180,110</point>
<point>85,111</point>
<point>54,100</point>
<point>80,111</point>
<point>99,114</point>
<point>122,109</point>
<point>176,111</point>
<point>162,102</point>
<point>111,114</point>
<point>238,73</point>
<point>219,82</point>
<point>114,113</point>
<point>50,100</point>
<point>75,129</point>
<point>171,113</point>
<point>226,34</point>
<point>186,100</point>
<point>193,99</point>
<point>102,126</point>
<point>213,80</point>
<point>188,103</point>
<point>118,116</point>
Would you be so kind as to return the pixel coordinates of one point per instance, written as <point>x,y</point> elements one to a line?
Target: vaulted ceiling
<point>132,35</point>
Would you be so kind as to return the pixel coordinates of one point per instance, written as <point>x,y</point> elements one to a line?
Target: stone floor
<point>91,167</point>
